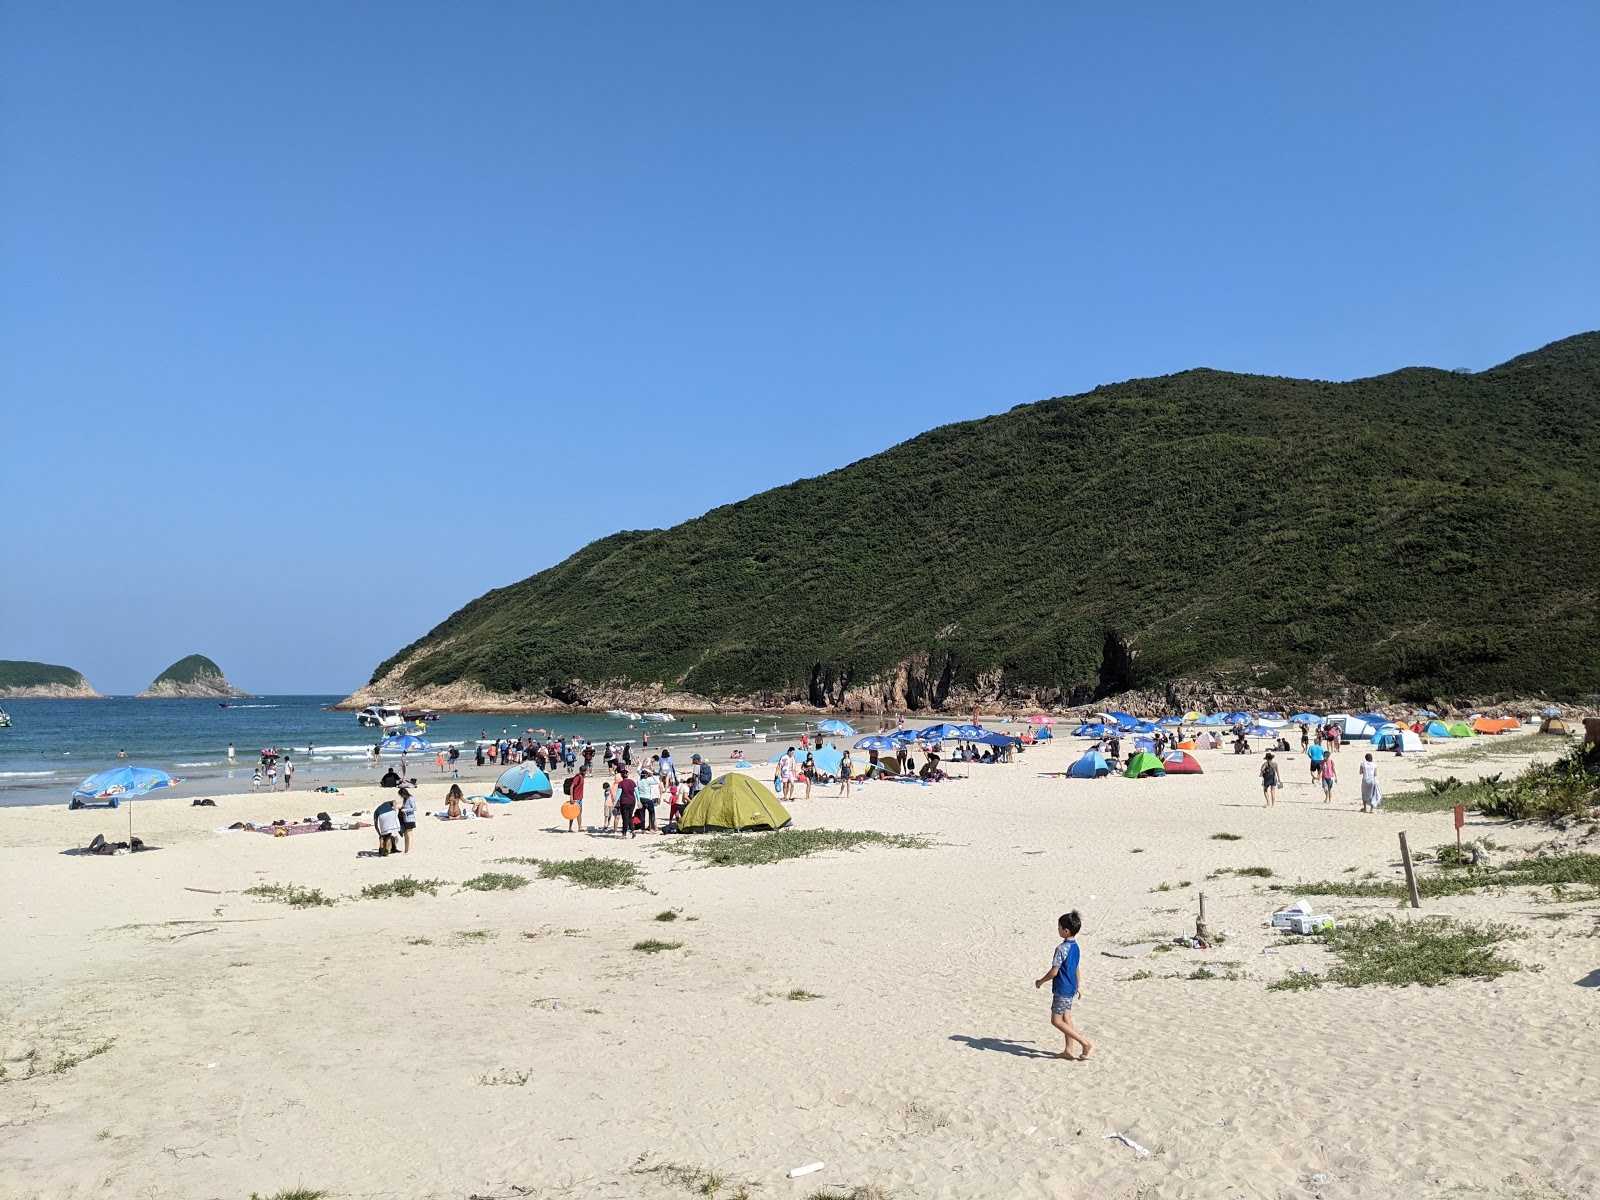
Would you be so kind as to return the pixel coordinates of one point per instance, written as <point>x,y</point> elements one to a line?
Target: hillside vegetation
<point>42,679</point>
<point>187,670</point>
<point>1424,532</point>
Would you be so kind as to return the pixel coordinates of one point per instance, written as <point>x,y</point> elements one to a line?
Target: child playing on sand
<point>1065,987</point>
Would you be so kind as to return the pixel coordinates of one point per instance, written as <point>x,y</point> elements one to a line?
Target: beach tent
<point>1385,739</point>
<point>1461,729</point>
<point>1092,765</point>
<point>1554,725</point>
<point>1438,729</point>
<point>733,802</point>
<point>524,783</point>
<point>1143,765</point>
<point>1213,719</point>
<point>1355,727</point>
<point>1181,762</point>
<point>1496,724</point>
<point>1043,734</point>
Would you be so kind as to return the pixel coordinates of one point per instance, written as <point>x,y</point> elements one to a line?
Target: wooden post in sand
<point>1411,876</point>
<point>1201,930</point>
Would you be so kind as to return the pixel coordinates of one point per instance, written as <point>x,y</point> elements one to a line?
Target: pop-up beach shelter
<point>1043,734</point>
<point>1496,724</point>
<point>1092,765</point>
<point>521,783</point>
<point>1181,762</point>
<point>733,802</point>
<point>1554,725</point>
<point>1143,765</point>
<point>1461,729</point>
<point>827,760</point>
<point>1385,739</point>
<point>1438,729</point>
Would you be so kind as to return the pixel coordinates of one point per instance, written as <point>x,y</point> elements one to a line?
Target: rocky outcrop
<point>42,681</point>
<point>192,678</point>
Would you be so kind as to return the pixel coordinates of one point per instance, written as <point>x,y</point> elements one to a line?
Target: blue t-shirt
<point>1315,754</point>
<point>1066,964</point>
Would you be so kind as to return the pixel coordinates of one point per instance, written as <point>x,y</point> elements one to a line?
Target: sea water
<point>53,745</point>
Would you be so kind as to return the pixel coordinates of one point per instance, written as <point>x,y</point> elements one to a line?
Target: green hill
<point>1424,532</point>
<point>187,670</point>
<point>41,679</point>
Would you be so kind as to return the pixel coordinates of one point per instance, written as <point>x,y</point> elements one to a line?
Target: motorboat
<point>420,714</point>
<point>659,717</point>
<point>623,714</point>
<point>5,719</point>
<point>386,716</point>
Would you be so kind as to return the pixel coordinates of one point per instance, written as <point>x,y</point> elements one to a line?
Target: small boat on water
<point>623,714</point>
<point>223,704</point>
<point>386,716</point>
<point>420,714</point>
<point>659,717</point>
<point>5,719</point>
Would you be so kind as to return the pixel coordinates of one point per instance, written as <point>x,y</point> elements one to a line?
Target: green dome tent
<point>1144,764</point>
<point>733,802</point>
<point>1461,729</point>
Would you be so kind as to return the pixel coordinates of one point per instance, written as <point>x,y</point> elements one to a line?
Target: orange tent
<point>1186,744</point>
<point>1495,724</point>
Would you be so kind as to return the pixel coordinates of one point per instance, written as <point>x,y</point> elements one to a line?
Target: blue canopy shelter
<point>1092,765</point>
<point>827,760</point>
<point>405,743</point>
<point>524,783</point>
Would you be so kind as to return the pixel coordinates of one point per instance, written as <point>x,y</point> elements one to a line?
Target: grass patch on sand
<point>1431,952</point>
<point>475,935</point>
<point>292,1194</point>
<point>656,946</point>
<point>505,1078</point>
<point>65,1062</point>
<point>404,886</point>
<point>591,872</point>
<point>497,881</point>
<point>1257,872</point>
<point>751,849</point>
<point>291,894</point>
<point>419,941</point>
<point>1295,983</point>
<point>1565,790</point>
<point>802,994</point>
<point>1227,837</point>
<point>863,1191</point>
<point>670,914</point>
<point>1557,872</point>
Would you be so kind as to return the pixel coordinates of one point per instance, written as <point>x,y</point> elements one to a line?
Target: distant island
<point>192,678</point>
<point>1418,536</point>
<point>42,681</point>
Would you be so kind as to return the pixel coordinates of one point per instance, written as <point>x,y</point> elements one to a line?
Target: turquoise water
<point>53,745</point>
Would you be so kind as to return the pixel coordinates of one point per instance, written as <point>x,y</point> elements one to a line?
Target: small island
<point>192,678</point>
<point>42,681</point>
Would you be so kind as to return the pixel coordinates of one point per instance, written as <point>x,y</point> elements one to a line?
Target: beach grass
<point>1227,837</point>
<point>656,946</point>
<point>1558,872</point>
<point>298,1193</point>
<point>751,849</point>
<point>1429,952</point>
<point>802,994</point>
<point>1296,983</point>
<point>65,1062</point>
<point>475,935</point>
<point>291,894</point>
<point>404,886</point>
<point>591,872</point>
<point>1493,747</point>
<point>496,881</point>
<point>670,914</point>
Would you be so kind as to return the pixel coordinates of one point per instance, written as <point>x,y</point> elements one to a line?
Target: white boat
<point>386,716</point>
<point>659,717</point>
<point>623,714</point>
<point>5,719</point>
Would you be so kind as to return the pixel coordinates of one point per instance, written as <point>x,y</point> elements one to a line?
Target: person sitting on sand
<point>452,803</point>
<point>391,778</point>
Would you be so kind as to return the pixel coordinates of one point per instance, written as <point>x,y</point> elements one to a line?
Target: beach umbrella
<point>842,728</point>
<point>1235,718</point>
<point>1041,719</point>
<point>118,784</point>
<point>1170,721</point>
<point>970,733</point>
<point>1214,719</point>
<point>1305,719</point>
<point>1141,727</point>
<point>904,737</point>
<point>997,739</point>
<point>1552,711</point>
<point>938,733</point>
<point>877,741</point>
<point>1261,731</point>
<point>405,743</point>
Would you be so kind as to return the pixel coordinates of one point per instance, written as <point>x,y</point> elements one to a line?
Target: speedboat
<point>659,717</point>
<point>386,716</point>
<point>623,714</point>
<point>5,719</point>
<point>420,714</point>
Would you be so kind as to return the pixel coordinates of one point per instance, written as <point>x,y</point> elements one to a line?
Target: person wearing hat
<point>1269,779</point>
<point>649,796</point>
<point>699,777</point>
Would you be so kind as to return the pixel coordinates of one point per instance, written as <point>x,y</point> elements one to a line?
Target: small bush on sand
<point>588,872</point>
<point>65,1062</point>
<point>1226,837</point>
<point>801,994</point>
<point>751,849</point>
<point>404,886</point>
<point>496,881</point>
<point>1295,983</point>
<point>1430,952</point>
<point>654,946</point>
<point>292,894</point>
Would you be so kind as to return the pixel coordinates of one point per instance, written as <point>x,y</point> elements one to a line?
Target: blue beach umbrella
<point>904,736</point>
<point>997,739</point>
<point>118,784</point>
<point>842,728</point>
<point>877,741</point>
<point>1306,719</point>
<point>938,733</point>
<point>405,743</point>
<point>971,733</point>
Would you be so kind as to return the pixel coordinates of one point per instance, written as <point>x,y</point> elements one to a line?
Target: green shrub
<point>404,886</point>
<point>496,881</point>
<point>1431,952</point>
<point>291,894</point>
<point>749,849</point>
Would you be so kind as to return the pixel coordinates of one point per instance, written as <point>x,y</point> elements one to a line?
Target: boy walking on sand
<point>1064,985</point>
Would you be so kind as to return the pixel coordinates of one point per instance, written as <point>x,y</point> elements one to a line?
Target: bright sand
<point>262,1047</point>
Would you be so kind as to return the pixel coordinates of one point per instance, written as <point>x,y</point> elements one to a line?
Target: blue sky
<point>317,320</point>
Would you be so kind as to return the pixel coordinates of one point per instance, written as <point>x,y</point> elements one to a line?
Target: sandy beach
<point>513,1043</point>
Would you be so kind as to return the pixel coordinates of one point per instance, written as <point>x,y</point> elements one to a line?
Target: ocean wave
<point>27,774</point>
<point>198,764</point>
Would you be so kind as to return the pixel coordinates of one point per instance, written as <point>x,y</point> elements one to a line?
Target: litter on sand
<point>805,1170</point>
<point>1138,1150</point>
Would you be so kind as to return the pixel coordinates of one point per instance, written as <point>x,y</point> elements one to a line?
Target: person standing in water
<point>230,753</point>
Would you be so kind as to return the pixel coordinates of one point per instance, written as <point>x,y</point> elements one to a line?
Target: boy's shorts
<point>1060,1004</point>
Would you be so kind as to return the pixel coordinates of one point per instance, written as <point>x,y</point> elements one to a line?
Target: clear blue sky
<point>319,319</point>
